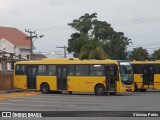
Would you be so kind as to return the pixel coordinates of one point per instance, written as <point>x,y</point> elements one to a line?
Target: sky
<point>138,19</point>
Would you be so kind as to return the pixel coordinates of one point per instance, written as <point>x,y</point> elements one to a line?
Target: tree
<point>139,54</point>
<point>116,45</point>
<point>93,50</point>
<point>83,25</point>
<point>90,29</point>
<point>76,42</point>
<point>156,55</point>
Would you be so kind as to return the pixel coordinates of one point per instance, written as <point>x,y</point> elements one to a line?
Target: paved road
<point>147,101</point>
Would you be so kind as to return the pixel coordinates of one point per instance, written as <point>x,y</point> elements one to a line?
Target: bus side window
<point>96,70</point>
<point>42,70</point>
<point>20,70</point>
<point>51,70</point>
<point>158,69</point>
<point>82,70</point>
<point>71,70</point>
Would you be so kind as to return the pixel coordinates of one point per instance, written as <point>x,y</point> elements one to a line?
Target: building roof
<point>38,56</point>
<point>15,36</point>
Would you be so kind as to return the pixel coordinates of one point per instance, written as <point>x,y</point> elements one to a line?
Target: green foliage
<point>93,36</point>
<point>156,55</point>
<point>139,54</point>
<point>93,50</point>
<point>76,42</point>
<point>84,23</point>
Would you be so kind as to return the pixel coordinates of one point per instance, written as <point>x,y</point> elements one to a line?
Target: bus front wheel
<point>99,90</point>
<point>45,88</point>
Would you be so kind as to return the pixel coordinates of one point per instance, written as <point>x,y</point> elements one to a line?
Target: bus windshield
<point>126,73</point>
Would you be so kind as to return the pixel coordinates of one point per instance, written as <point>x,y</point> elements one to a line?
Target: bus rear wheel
<point>45,88</point>
<point>99,90</point>
<point>113,93</point>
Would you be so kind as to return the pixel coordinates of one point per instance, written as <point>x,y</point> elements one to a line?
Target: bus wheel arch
<point>99,89</point>
<point>45,88</point>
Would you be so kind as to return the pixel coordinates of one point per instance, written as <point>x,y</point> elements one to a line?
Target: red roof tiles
<point>15,36</point>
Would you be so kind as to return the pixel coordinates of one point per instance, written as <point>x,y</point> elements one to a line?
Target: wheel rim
<point>100,91</point>
<point>45,88</point>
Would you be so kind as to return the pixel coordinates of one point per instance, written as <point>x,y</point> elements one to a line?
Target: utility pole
<point>32,35</point>
<point>65,50</point>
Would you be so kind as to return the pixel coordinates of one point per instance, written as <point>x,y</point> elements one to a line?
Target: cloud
<point>63,2</point>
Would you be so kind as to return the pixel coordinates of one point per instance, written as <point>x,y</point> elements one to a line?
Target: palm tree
<point>93,50</point>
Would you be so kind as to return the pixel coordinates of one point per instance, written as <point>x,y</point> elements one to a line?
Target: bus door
<point>61,77</point>
<point>148,76</point>
<point>31,77</point>
<point>111,78</point>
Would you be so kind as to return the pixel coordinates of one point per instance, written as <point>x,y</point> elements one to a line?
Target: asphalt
<point>13,90</point>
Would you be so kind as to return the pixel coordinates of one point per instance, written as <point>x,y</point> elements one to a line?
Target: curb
<point>10,91</point>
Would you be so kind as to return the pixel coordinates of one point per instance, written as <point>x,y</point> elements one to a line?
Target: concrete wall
<point>6,80</point>
<point>24,52</point>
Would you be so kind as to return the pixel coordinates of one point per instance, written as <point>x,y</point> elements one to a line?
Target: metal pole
<point>65,50</point>
<point>31,50</point>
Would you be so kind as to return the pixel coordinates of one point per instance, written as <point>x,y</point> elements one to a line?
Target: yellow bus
<point>146,75</point>
<point>73,75</point>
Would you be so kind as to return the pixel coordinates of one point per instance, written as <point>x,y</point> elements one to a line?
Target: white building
<point>15,42</point>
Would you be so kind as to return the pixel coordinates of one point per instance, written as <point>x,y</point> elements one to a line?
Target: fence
<point>6,80</point>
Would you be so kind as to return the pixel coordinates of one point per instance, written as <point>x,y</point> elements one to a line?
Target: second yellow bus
<point>146,75</point>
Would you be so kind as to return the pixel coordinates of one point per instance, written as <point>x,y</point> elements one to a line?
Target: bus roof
<point>68,61</point>
<point>145,62</point>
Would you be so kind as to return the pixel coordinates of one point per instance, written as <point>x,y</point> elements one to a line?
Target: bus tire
<point>112,93</point>
<point>57,92</point>
<point>99,89</point>
<point>142,90</point>
<point>70,92</point>
<point>135,87</point>
<point>45,88</point>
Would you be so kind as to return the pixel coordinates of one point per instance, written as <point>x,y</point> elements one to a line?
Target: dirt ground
<point>18,94</point>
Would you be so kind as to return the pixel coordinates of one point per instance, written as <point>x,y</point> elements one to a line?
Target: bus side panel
<point>20,81</point>
<point>51,80</point>
<point>138,80</point>
<point>120,87</point>
<point>84,84</point>
<point>157,81</point>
